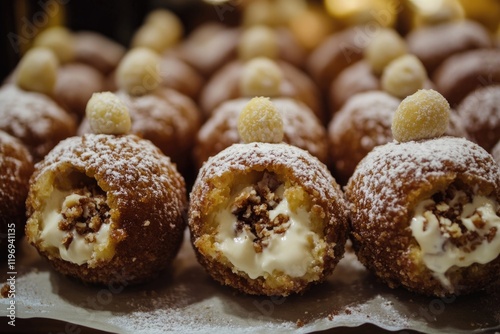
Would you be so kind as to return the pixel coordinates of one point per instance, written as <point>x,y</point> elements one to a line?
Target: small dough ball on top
<point>37,71</point>
<point>260,121</point>
<point>386,46</point>
<point>404,76</point>
<point>425,114</point>
<point>58,39</point>
<point>107,114</point>
<point>138,72</point>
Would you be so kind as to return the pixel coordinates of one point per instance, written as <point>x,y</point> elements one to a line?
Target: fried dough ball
<point>267,219</point>
<point>425,215</point>
<point>480,111</point>
<point>92,223</point>
<point>16,167</point>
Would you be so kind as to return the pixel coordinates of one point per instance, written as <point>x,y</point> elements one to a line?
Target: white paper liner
<point>187,300</point>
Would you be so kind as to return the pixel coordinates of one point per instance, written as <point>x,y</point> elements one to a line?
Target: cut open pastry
<point>106,209</point>
<point>267,219</point>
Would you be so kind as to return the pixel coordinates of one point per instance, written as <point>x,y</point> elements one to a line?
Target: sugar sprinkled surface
<point>395,162</point>
<point>482,107</point>
<point>119,160</point>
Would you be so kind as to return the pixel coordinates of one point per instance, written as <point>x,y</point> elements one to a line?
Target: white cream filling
<point>439,253</point>
<point>79,251</point>
<point>290,252</point>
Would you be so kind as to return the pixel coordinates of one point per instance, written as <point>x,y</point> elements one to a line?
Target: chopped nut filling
<point>252,207</point>
<point>83,213</point>
<point>448,207</point>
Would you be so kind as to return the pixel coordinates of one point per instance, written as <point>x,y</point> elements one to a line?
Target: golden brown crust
<point>462,73</point>
<point>145,193</point>
<point>481,117</point>
<point>383,193</point>
<point>302,129</point>
<point>363,123</point>
<point>167,118</point>
<point>97,51</point>
<point>225,86</point>
<point>354,79</point>
<point>16,167</point>
<point>336,53</point>
<point>76,82</point>
<point>208,47</point>
<point>35,119</point>
<point>226,170</point>
<point>179,76</point>
<point>435,43</point>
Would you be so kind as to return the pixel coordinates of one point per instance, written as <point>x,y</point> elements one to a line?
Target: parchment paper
<point>186,300</point>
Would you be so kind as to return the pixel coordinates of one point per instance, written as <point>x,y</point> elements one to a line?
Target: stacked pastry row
<point>108,198</point>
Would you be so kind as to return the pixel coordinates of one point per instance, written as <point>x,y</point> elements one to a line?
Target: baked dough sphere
<point>169,119</point>
<point>285,192</point>
<point>363,123</point>
<point>435,43</point>
<point>178,75</point>
<point>106,209</point>
<point>97,50</point>
<point>337,52</point>
<point>224,85</point>
<point>208,47</point>
<point>16,167</point>
<point>301,128</point>
<point>35,119</point>
<point>76,82</point>
<point>480,112</point>
<point>424,215</point>
<point>464,72</point>
<point>356,78</point>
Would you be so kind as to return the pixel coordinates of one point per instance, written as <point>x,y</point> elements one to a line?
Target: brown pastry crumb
<point>300,323</point>
<point>252,208</point>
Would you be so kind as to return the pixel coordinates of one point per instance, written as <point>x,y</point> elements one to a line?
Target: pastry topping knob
<point>423,115</point>
<point>107,114</point>
<point>260,121</point>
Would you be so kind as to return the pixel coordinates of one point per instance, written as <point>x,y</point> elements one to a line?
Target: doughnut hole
<point>138,72</point>
<point>261,77</point>
<point>260,121</point>
<point>60,40</point>
<point>37,71</point>
<point>404,76</point>
<point>258,41</point>
<point>422,115</point>
<point>386,46</point>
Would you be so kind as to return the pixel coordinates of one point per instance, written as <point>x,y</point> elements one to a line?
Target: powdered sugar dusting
<point>370,113</point>
<point>313,174</point>
<point>118,161</point>
<point>394,163</point>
